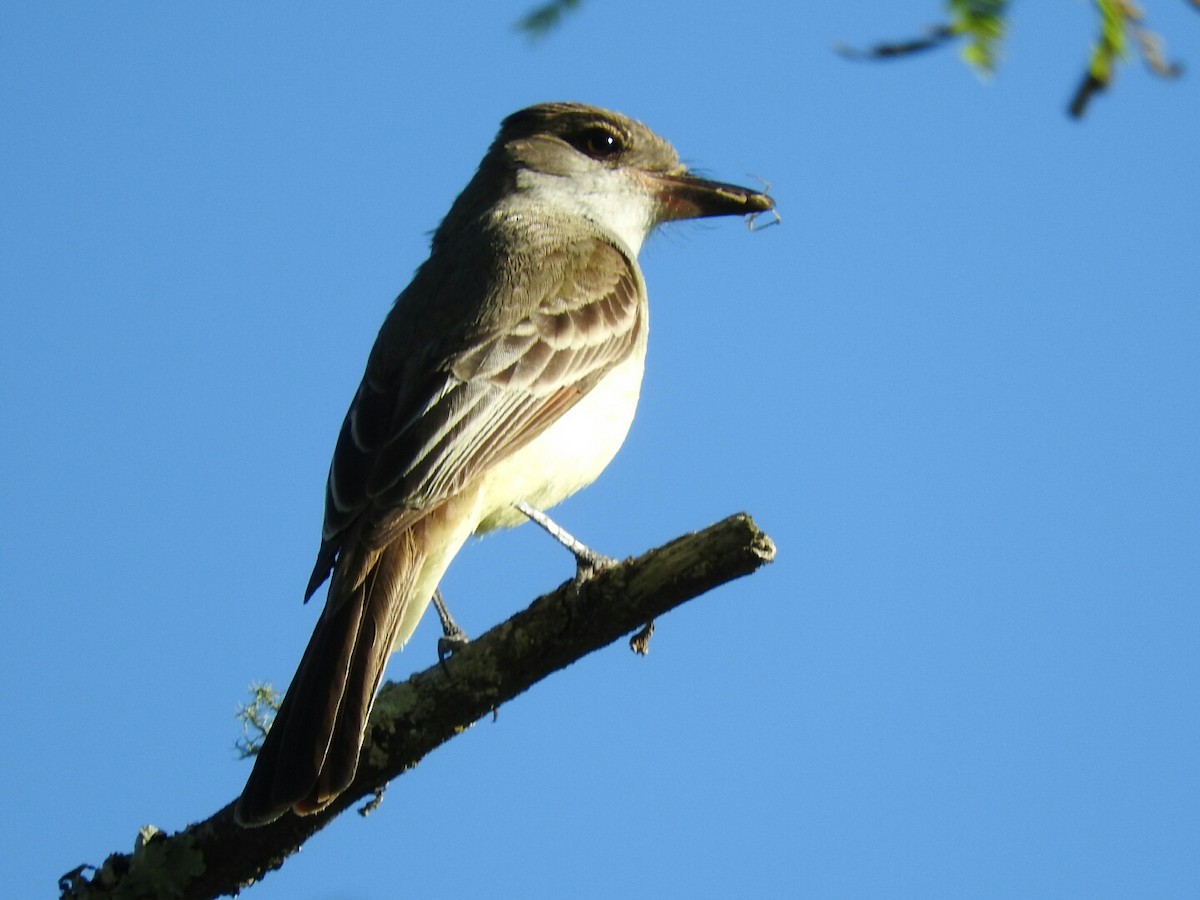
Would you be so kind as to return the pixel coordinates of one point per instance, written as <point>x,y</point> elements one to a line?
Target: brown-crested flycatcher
<point>506,373</point>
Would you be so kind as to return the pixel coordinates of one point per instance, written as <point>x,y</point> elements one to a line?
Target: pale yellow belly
<point>568,455</point>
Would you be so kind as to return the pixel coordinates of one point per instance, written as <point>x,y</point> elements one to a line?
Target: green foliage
<point>983,24</point>
<point>256,717</point>
<point>1110,45</point>
<point>1121,24</point>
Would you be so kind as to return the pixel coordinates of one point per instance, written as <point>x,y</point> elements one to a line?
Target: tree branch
<point>217,857</point>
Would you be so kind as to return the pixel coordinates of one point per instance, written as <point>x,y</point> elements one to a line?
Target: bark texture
<point>217,857</point>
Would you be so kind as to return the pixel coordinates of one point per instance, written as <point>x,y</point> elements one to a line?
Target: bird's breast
<point>568,455</point>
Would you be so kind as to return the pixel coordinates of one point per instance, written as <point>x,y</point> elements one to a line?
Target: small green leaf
<point>983,23</point>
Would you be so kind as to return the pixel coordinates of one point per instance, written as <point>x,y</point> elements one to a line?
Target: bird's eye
<point>598,143</point>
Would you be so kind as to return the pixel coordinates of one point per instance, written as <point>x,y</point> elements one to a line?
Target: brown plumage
<point>508,370</point>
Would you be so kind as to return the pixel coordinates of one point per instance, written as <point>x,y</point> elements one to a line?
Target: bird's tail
<point>310,753</point>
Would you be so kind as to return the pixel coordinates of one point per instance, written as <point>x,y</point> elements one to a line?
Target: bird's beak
<point>685,196</point>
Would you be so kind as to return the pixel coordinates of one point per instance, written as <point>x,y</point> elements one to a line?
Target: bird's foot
<point>453,638</point>
<point>587,561</point>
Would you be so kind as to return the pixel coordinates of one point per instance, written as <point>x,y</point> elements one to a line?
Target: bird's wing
<point>441,402</point>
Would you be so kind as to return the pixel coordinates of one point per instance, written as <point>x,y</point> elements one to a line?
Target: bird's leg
<point>453,638</point>
<point>587,561</point>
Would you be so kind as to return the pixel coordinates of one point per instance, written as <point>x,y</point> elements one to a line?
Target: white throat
<point>611,199</point>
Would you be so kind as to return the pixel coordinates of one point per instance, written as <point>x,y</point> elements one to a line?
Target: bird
<point>504,377</point>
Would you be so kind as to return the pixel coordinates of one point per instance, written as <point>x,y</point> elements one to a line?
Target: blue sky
<point>957,386</point>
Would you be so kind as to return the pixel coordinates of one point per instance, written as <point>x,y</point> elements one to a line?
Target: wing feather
<point>440,403</point>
